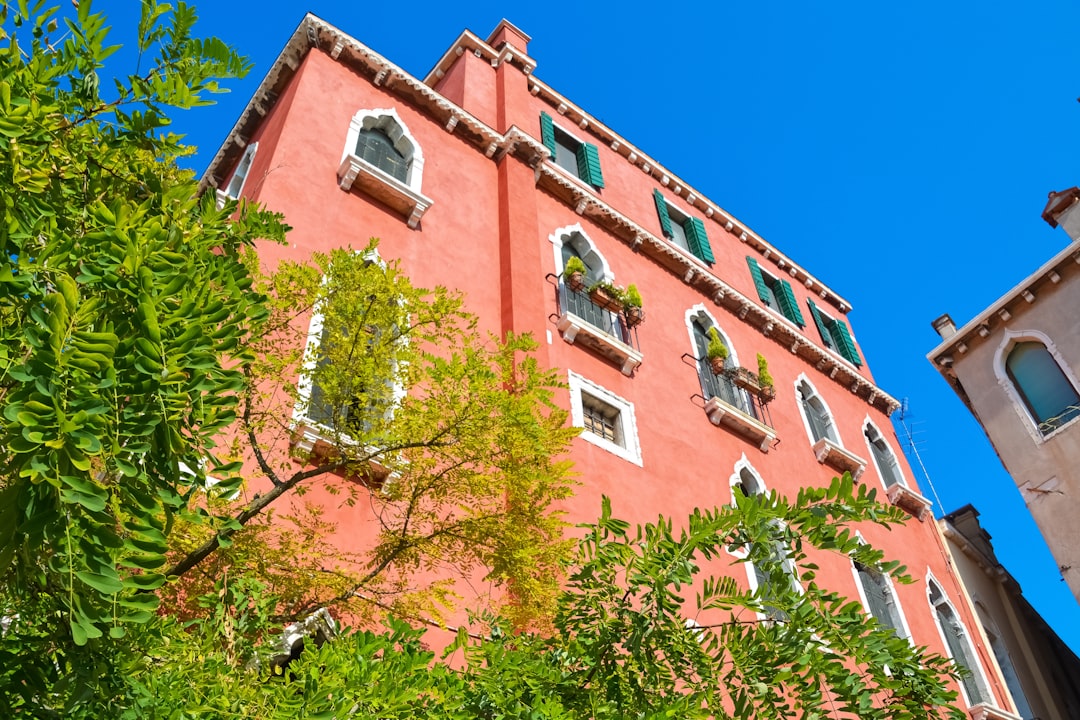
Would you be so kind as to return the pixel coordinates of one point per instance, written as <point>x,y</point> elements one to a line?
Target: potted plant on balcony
<point>716,352</point>
<point>574,273</point>
<point>607,295</point>
<point>767,390</point>
<point>633,312</point>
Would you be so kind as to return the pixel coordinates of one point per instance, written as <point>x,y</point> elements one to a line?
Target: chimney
<point>505,33</point>
<point>944,326</point>
<point>1061,210</point>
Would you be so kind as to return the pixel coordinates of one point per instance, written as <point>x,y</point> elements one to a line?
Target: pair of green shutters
<point>692,226</point>
<point>588,158</point>
<point>835,333</point>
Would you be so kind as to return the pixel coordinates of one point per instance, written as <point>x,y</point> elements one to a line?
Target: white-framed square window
<point>606,419</point>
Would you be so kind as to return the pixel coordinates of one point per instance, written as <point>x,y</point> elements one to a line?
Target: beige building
<point>1040,671</point>
<point>1016,365</point>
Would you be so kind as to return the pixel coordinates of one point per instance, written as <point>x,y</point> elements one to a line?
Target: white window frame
<point>630,450</point>
<point>828,411</point>
<point>389,121</point>
<point>904,630</point>
<point>868,423</point>
<point>576,236</point>
<point>741,465</point>
<point>312,431</point>
<point>1010,339</point>
<point>243,169</point>
<point>977,672</point>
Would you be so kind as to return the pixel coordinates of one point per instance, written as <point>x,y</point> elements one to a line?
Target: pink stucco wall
<point>487,234</point>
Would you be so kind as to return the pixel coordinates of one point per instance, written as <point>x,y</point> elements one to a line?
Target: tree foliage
<point>622,646</point>
<point>151,419</point>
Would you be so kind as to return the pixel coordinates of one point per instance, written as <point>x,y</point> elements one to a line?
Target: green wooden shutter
<point>788,304</point>
<point>826,335</point>
<point>759,282</point>
<point>661,210</point>
<point>547,132</point>
<point>588,165</point>
<point>844,342</point>
<point>697,239</point>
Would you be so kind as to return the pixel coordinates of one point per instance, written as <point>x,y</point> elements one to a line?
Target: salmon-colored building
<point>483,178</point>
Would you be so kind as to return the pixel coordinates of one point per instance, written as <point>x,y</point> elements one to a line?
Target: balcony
<point>735,408</point>
<point>831,454</point>
<point>583,322</point>
<point>908,500</point>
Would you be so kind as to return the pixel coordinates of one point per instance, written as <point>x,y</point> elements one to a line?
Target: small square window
<point>601,419</point>
<point>606,419</point>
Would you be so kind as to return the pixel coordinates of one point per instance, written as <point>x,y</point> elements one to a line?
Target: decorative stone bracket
<point>919,506</point>
<point>831,454</point>
<point>577,330</point>
<point>355,173</point>
<point>720,413</point>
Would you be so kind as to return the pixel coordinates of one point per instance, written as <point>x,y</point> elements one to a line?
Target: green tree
<point>621,648</point>
<point>143,356</point>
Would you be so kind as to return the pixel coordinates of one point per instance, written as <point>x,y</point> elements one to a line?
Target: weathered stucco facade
<point>504,179</point>
<point>1042,673</point>
<point>1028,408</point>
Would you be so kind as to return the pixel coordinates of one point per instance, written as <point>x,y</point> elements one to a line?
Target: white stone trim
<point>561,235</point>
<point>249,158</point>
<point>802,411</point>
<point>1009,339</point>
<point>905,629</point>
<point>868,423</point>
<point>978,672</point>
<point>388,120</point>
<point>701,313</point>
<point>631,450</point>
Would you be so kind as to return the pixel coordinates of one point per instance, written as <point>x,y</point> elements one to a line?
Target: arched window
<point>375,147</point>
<point>884,458</point>
<point>239,176</point>
<point>879,599</point>
<point>380,138</point>
<point>712,385</point>
<point>1042,385</point>
<point>959,645</point>
<point>817,416</point>
<point>747,484</point>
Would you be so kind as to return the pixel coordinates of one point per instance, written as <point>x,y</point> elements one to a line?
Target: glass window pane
<point>1046,391</point>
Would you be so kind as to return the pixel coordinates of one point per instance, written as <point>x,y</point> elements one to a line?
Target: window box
<point>356,173</point>
<point>749,380</point>
<point>605,299</point>
<point>831,454</point>
<point>576,329</point>
<point>722,413</point>
<point>986,711</point>
<point>909,500</point>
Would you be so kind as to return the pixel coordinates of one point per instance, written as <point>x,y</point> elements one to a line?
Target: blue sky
<point>901,152</point>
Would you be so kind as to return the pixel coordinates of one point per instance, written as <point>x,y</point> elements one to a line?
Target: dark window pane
<point>375,147</point>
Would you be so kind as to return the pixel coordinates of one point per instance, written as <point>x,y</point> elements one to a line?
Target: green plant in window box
<point>574,273</point>
<point>633,312</point>
<point>716,352</point>
<point>607,295</point>
<point>767,389</point>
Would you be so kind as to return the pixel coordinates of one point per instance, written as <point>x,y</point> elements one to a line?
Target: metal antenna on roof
<point>912,450</point>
